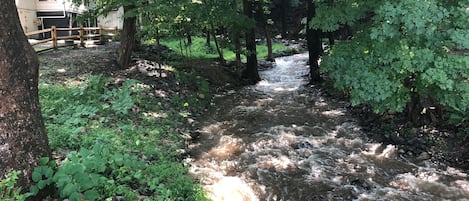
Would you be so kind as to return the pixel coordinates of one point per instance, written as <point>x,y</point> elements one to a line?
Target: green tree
<point>23,139</point>
<point>404,55</point>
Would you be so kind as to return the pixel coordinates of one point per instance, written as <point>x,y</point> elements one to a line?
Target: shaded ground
<point>66,65</point>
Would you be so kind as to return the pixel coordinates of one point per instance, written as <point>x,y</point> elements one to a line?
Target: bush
<point>410,52</point>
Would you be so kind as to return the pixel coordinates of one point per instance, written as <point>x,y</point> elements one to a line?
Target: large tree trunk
<point>251,72</point>
<point>128,33</point>
<point>23,138</point>
<point>313,37</point>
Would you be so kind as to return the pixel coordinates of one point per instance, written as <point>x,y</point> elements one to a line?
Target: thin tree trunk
<point>268,40</point>
<point>219,50</point>
<point>207,39</point>
<point>158,37</point>
<point>313,37</point>
<point>251,72</point>
<point>23,139</point>
<point>189,38</point>
<point>128,33</point>
<point>263,20</point>
<point>237,42</point>
<point>238,48</point>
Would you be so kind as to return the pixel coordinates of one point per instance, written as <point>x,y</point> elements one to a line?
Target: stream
<point>282,140</point>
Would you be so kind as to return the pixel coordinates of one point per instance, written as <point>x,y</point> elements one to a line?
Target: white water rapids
<point>278,140</point>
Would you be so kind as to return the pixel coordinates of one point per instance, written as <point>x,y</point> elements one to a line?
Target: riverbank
<point>442,144</point>
<point>117,134</point>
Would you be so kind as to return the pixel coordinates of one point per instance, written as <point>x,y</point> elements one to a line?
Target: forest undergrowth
<point>115,134</point>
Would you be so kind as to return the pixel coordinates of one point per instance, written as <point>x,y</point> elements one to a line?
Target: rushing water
<point>279,140</point>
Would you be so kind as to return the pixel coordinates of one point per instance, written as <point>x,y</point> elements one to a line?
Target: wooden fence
<point>75,33</point>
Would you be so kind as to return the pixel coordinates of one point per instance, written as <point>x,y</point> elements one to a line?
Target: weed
<point>8,190</point>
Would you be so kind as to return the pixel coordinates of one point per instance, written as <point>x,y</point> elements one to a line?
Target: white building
<point>41,14</point>
<point>27,13</point>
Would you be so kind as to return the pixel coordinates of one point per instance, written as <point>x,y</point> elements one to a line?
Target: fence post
<point>82,39</point>
<point>115,33</point>
<point>101,40</point>
<point>54,36</point>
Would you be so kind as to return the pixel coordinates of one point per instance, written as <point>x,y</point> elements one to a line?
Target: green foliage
<point>407,49</point>
<point>331,15</point>
<point>111,151</point>
<point>8,190</point>
<point>69,111</point>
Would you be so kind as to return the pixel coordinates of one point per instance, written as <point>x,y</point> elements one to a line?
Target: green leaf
<point>41,184</point>
<point>43,160</point>
<point>68,190</point>
<point>36,176</point>
<point>91,195</point>
<point>75,196</point>
<point>33,190</point>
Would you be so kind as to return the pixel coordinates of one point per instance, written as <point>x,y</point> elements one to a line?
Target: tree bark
<point>128,33</point>
<point>313,37</point>
<point>251,73</point>
<point>23,138</point>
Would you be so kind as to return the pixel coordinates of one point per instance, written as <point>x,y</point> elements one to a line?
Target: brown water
<point>281,141</point>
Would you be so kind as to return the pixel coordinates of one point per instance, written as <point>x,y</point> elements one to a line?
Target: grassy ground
<point>199,50</point>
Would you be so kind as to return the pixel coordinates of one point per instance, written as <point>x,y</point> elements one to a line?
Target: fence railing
<point>75,33</point>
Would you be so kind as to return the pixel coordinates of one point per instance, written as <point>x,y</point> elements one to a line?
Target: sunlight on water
<point>231,189</point>
<point>287,75</point>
